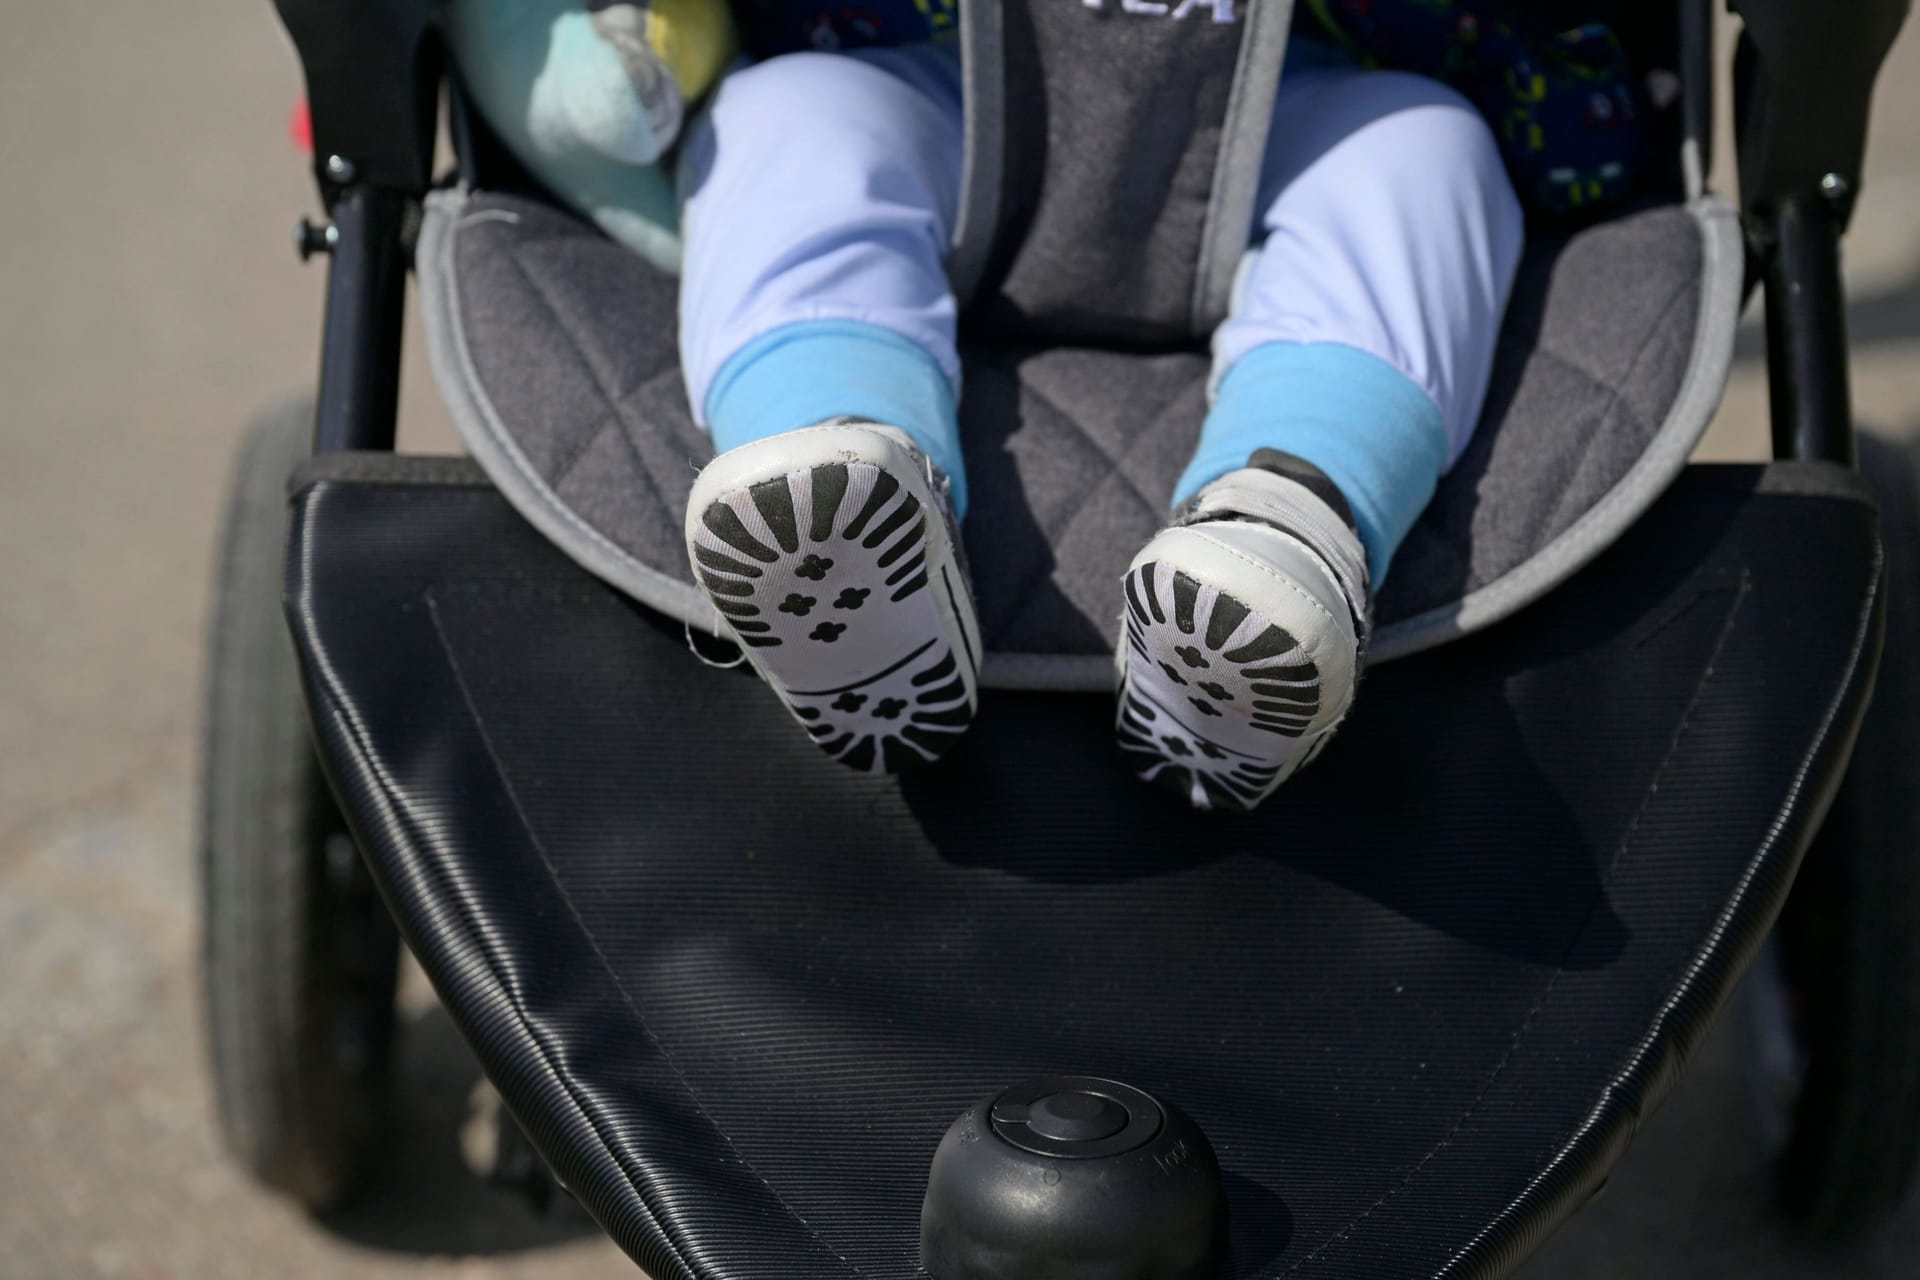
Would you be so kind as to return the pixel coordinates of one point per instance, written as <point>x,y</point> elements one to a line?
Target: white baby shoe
<point>1244,633</point>
<point>831,553</point>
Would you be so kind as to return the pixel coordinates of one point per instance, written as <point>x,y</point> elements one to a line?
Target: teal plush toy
<point>590,94</point>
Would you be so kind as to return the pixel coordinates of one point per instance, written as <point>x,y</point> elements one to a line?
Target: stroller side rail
<point>373,87</point>
<point>1803,81</point>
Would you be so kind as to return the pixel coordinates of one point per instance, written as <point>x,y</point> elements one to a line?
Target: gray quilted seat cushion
<point>556,349</point>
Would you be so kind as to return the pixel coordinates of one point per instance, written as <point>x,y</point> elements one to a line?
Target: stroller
<point>1644,731</point>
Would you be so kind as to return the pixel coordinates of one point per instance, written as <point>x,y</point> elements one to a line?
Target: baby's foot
<point>830,552</point>
<point>1245,624</point>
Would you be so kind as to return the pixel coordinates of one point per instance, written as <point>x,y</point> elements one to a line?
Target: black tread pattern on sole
<point>832,555</point>
<point>1195,655</point>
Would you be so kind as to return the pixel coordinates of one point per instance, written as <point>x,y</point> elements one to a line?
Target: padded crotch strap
<point>1114,151</point>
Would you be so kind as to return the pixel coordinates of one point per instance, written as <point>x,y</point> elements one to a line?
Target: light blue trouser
<point>820,193</point>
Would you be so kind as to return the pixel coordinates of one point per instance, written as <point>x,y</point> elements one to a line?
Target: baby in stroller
<point>818,333</point>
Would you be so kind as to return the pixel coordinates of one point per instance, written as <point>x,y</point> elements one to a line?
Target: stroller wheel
<point>299,955</point>
<point>1833,1004</point>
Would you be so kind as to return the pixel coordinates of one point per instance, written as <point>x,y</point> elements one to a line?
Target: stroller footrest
<point>1419,1001</point>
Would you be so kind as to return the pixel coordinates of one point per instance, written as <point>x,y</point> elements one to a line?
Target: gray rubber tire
<point>1846,954</point>
<point>299,954</point>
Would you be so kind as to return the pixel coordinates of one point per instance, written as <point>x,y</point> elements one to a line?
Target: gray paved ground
<point>150,304</point>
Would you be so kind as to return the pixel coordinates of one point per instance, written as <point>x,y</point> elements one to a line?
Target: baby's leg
<point>817,339</point>
<point>820,193</point>
<point>1365,324</point>
<point>1348,378</point>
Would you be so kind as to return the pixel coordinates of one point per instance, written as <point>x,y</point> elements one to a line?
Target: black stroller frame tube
<point>1802,85</point>
<point>360,347</point>
<point>373,72</point>
<point>1807,380</point>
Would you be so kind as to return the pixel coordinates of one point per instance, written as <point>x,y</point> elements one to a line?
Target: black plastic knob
<point>311,238</point>
<point>1073,1178</point>
<point>1075,1116</point>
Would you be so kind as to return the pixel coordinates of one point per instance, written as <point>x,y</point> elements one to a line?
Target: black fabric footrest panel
<point>1420,1001</point>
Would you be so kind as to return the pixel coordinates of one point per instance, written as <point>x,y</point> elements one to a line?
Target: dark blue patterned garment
<point>770,27</point>
<point>1559,92</point>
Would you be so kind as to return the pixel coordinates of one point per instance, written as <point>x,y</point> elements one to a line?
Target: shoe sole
<point>1220,700</point>
<point>827,554</point>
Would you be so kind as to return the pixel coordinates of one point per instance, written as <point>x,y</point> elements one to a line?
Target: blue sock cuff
<point>1375,432</point>
<point>803,374</point>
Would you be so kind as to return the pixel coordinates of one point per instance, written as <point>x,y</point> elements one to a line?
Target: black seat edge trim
<point>456,471</point>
